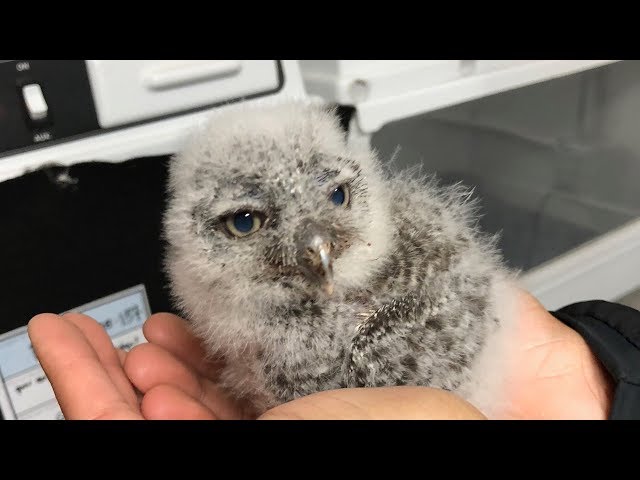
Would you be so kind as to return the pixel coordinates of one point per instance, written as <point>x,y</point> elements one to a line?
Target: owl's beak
<point>318,258</point>
<point>327,270</point>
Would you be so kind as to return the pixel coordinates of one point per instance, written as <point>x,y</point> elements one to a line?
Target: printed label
<point>25,391</point>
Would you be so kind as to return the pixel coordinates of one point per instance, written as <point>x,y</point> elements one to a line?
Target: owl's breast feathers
<point>424,319</point>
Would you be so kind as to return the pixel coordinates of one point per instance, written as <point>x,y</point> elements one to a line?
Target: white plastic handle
<point>178,74</point>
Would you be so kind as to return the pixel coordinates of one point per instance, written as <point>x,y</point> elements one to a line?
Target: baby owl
<point>308,265</point>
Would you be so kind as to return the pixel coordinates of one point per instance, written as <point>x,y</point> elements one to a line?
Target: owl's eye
<point>244,223</point>
<point>340,195</point>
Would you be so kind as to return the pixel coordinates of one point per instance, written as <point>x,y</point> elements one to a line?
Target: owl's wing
<point>382,347</point>
<point>412,341</point>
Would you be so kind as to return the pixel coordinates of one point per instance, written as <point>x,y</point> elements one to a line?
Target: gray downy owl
<point>308,265</point>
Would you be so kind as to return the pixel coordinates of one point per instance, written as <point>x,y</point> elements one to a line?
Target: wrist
<point>599,380</point>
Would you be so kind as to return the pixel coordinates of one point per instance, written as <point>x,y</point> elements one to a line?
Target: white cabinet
<point>149,107</point>
<point>389,90</point>
<point>127,91</point>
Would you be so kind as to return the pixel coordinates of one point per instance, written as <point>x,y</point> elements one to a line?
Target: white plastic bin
<point>557,168</point>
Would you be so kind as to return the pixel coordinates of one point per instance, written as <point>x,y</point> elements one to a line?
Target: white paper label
<point>25,391</point>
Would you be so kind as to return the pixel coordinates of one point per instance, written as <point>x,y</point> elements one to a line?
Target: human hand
<point>83,367</point>
<point>88,375</point>
<point>552,373</point>
<point>93,380</point>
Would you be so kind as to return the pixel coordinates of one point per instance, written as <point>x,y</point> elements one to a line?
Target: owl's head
<point>269,205</point>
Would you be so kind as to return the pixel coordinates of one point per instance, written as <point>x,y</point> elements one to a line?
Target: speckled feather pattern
<point>420,293</point>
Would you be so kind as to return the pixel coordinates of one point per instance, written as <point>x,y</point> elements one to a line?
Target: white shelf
<point>606,268</point>
<point>387,90</point>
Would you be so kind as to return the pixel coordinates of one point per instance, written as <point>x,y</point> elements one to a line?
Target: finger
<point>172,333</point>
<point>165,402</point>
<point>82,387</point>
<point>536,326</point>
<point>107,353</point>
<point>384,403</point>
<point>122,356</point>
<point>149,365</point>
<point>551,362</point>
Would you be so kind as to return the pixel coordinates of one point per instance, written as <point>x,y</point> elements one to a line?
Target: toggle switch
<point>34,100</point>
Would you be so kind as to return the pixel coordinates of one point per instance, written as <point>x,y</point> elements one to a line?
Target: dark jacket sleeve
<point>612,331</point>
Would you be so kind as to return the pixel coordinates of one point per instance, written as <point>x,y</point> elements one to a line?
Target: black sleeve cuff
<point>612,331</point>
